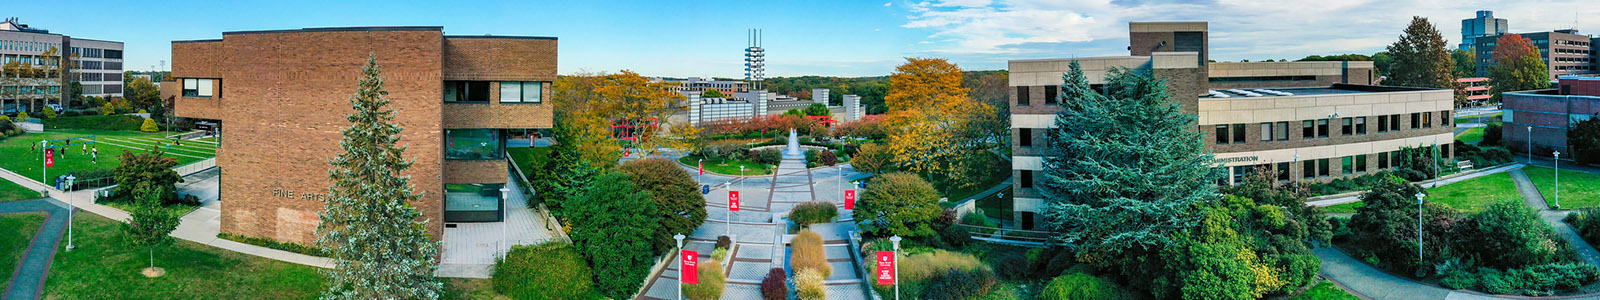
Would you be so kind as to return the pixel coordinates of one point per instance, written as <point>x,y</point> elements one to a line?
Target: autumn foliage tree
<point>592,102</point>
<point>1517,66</point>
<point>933,121</point>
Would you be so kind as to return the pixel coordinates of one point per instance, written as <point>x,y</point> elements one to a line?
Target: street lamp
<point>1557,156</point>
<point>896,240</point>
<point>1530,143</point>
<point>1436,150</point>
<point>1419,226</point>
<point>679,253</point>
<point>840,185</point>
<point>505,194</point>
<point>70,208</point>
<point>1296,163</point>
<point>741,177</point>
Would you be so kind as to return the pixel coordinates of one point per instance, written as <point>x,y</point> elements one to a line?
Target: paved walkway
<point>470,249</point>
<point>27,281</point>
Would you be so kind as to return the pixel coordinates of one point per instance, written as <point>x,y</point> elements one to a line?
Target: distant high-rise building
<point>1483,25</point>
<point>755,60</point>
<point>1564,51</point>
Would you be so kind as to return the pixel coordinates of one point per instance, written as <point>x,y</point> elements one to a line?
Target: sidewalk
<point>28,280</point>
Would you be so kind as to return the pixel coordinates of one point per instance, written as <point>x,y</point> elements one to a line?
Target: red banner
<point>885,267</point>
<point>691,267</point>
<point>849,199</point>
<point>702,168</point>
<point>733,200</point>
<point>49,157</point>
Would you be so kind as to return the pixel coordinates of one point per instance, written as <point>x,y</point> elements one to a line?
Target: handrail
<point>550,222</point>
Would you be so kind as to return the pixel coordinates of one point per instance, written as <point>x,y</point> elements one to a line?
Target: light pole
<point>679,253</point>
<point>1530,143</point>
<point>1296,163</point>
<point>840,185</point>
<point>505,194</point>
<point>896,240</point>
<point>700,175</point>
<point>1436,150</point>
<point>1419,226</point>
<point>1556,155</point>
<point>70,208</point>
<point>741,177</point>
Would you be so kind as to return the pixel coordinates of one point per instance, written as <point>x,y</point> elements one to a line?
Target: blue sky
<point>817,37</point>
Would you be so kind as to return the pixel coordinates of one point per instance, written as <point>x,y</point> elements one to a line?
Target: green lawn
<point>24,157</point>
<point>998,171</point>
<point>525,157</point>
<point>1579,190</point>
<point>997,207</point>
<point>1468,196</point>
<point>1471,136</point>
<point>16,232</point>
<point>728,166</point>
<point>209,139</point>
<point>1325,290</point>
<point>1472,119</point>
<point>104,265</point>
<point>10,191</point>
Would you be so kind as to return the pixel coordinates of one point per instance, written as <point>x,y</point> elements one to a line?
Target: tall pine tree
<point>1123,170</point>
<point>379,246</point>
<point>1421,59</point>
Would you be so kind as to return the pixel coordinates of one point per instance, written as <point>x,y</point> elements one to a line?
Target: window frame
<point>522,96</point>
<point>1051,95</point>
<point>1022,96</point>
<point>1308,169</point>
<point>1238,133</point>
<point>1347,126</point>
<point>1283,131</point>
<point>1308,129</point>
<point>1026,178</point>
<point>1222,134</point>
<point>208,86</point>
<point>1267,131</point>
<point>495,134</point>
<point>1322,128</point>
<point>1361,125</point>
<point>454,93</point>
<point>1025,137</point>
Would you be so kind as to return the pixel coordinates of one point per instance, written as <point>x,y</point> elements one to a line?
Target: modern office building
<point>1564,51</point>
<point>96,64</point>
<point>1303,121</point>
<point>281,97</point>
<point>1543,117</point>
<point>743,105</point>
<point>697,84</point>
<point>1485,24</point>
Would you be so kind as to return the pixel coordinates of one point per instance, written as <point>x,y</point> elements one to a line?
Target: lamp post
<point>70,208</point>
<point>1436,150</point>
<point>741,177</point>
<point>679,253</point>
<point>896,240</point>
<point>505,194</point>
<point>1530,143</point>
<point>1419,226</point>
<point>1296,163</point>
<point>701,174</point>
<point>840,185</point>
<point>1556,155</point>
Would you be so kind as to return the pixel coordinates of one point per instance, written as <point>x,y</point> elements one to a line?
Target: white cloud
<point>887,4</point>
<point>1248,29</point>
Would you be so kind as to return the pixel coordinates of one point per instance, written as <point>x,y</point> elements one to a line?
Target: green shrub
<point>828,158</point>
<point>22,116</point>
<point>106,110</point>
<point>720,254</point>
<point>1013,265</point>
<point>1494,282</point>
<point>809,284</point>
<point>96,123</point>
<point>956,284</point>
<point>4,118</point>
<point>1491,133</point>
<point>811,159</point>
<point>1509,234</point>
<point>711,282</point>
<point>813,212</point>
<point>766,156</point>
<point>1080,286</point>
<point>898,204</point>
<point>808,253</point>
<point>552,270</point>
<point>955,236</point>
<point>274,244</point>
<point>49,112</point>
<point>1458,279</point>
<point>149,126</point>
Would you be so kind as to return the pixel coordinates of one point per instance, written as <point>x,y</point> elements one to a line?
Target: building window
<point>1383,123</point>
<point>1283,131</point>
<point>1266,132</point>
<point>1427,119</point>
<point>1361,125</point>
<point>1383,160</point>
<point>1361,163</point>
<point>1238,133</point>
<point>1308,129</point>
<point>1283,171</point>
<point>1022,96</point>
<point>1444,150</point>
<point>473,144</point>
<point>1222,134</point>
<point>1347,126</point>
<point>1394,122</point>
<point>472,202</point>
<point>1026,177</point>
<point>1322,128</point>
<point>1347,165</point>
<point>1025,137</point>
<point>1416,120</point>
<point>198,87</point>
<point>1394,159</point>
<point>1308,169</point>
<point>519,92</point>
<point>1444,118</point>
<point>466,91</point>
<point>1050,94</point>
<point>1322,167</point>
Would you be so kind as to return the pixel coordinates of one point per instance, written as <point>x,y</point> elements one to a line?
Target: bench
<point>1464,165</point>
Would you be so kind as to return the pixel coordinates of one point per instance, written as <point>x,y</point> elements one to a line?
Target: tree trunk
<point>152,257</point>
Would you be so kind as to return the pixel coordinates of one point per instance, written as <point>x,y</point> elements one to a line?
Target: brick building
<point>1547,114</point>
<point>1303,121</point>
<point>281,96</point>
<point>1565,52</point>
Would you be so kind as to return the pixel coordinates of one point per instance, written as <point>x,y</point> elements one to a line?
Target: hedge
<point>813,212</point>
<point>552,270</point>
<point>113,122</point>
<point>1080,286</point>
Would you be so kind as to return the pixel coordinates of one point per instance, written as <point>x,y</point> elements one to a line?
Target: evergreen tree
<point>1585,140</point>
<point>380,248</point>
<point>613,228</point>
<point>1123,171</point>
<point>1517,67</point>
<point>1420,58</point>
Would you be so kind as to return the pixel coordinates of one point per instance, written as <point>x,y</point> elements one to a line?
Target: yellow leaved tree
<point>933,122</point>
<point>591,103</point>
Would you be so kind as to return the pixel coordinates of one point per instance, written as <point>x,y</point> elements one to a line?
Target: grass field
<point>1474,119</point>
<point>11,191</point>
<point>525,157</point>
<point>16,232</point>
<point>1579,190</point>
<point>728,166</point>
<point>1469,196</point>
<point>1325,290</point>
<point>997,207</point>
<point>28,159</point>
<point>1471,136</point>
<point>104,265</point>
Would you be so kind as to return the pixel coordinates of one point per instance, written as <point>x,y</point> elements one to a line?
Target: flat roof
<point>486,36</point>
<point>325,29</point>
<point>1337,88</point>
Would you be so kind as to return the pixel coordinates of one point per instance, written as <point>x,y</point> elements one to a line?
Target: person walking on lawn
<point>95,155</point>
